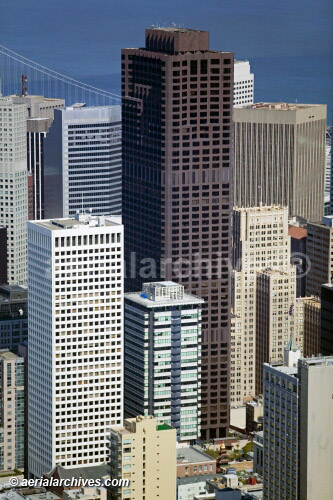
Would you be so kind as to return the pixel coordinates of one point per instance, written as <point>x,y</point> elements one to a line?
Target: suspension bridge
<point>18,73</point>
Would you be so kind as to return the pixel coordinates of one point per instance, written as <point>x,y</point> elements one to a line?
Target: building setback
<point>280,157</point>
<point>162,362</point>
<point>75,284</point>
<point>82,168</point>
<point>144,453</point>
<point>12,388</point>
<point>177,155</point>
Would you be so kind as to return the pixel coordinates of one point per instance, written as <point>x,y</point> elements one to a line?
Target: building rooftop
<point>90,472</point>
<point>317,361</point>
<point>192,455</point>
<point>286,370</point>
<point>202,478</point>
<point>280,106</point>
<point>329,286</point>
<point>297,232</point>
<point>83,219</point>
<point>176,29</point>
<point>261,208</point>
<point>8,355</point>
<point>47,495</point>
<point>162,293</point>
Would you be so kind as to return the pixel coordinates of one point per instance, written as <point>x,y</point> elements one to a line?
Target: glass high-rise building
<point>162,339</point>
<point>177,187</point>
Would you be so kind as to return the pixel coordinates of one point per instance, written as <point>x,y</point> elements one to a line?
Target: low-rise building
<point>326,333</point>
<point>192,461</point>
<point>84,493</point>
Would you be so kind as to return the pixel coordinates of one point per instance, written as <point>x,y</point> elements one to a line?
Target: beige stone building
<point>280,157</point>
<point>319,249</point>
<point>260,241</point>
<point>145,453</point>
<point>307,325</point>
<point>276,296</point>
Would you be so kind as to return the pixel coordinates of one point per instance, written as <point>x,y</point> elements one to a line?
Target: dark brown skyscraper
<point>177,186</point>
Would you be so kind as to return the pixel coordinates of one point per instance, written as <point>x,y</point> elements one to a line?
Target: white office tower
<point>163,357</point>
<point>260,241</point>
<point>75,280</point>
<point>13,186</point>
<point>243,83</point>
<point>82,161</point>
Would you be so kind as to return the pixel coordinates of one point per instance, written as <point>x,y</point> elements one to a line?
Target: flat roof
<point>280,106</point>
<point>8,355</point>
<point>191,455</point>
<point>175,29</point>
<point>140,298</point>
<point>72,223</point>
<point>286,370</point>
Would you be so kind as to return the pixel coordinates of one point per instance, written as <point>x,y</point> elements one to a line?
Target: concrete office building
<point>82,166</point>
<point>12,388</point>
<point>320,255</point>
<point>177,143</point>
<point>260,240</point>
<point>280,437</point>
<point>326,320</point>
<point>143,452</point>
<point>276,296</point>
<point>14,186</point>
<point>13,316</point>
<point>279,157</point>
<point>315,428</point>
<point>40,111</point>
<point>75,382</point>
<point>243,83</point>
<point>162,339</point>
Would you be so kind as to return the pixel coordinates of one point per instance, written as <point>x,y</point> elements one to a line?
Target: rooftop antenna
<point>24,87</point>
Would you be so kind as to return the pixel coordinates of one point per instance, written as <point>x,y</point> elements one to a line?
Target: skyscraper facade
<point>280,157</point>
<point>276,296</point>
<point>260,240</point>
<point>75,378</point>
<point>162,340</point>
<point>82,161</point>
<point>14,186</point>
<point>177,187</point>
